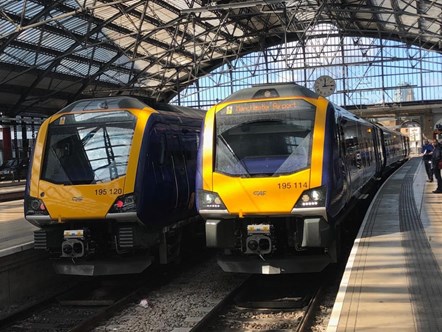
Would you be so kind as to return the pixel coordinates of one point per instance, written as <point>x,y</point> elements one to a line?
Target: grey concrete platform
<point>12,190</point>
<point>16,234</point>
<point>393,279</point>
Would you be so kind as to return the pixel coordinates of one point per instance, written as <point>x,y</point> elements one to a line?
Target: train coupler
<point>259,239</point>
<point>76,243</point>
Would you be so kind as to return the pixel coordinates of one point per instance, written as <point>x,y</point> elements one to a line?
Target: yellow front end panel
<point>261,196</point>
<point>208,140</point>
<point>80,202</point>
<point>269,195</point>
<point>318,142</point>
<point>72,202</point>
<point>37,159</point>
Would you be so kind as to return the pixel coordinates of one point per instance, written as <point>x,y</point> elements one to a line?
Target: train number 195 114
<point>290,185</point>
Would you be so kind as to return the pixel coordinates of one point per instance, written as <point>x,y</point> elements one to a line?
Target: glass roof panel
<point>18,56</point>
<point>110,35</point>
<point>55,41</point>
<point>106,13</point>
<point>43,61</point>
<point>164,14</point>
<point>6,27</point>
<point>85,52</point>
<point>30,36</point>
<point>103,55</point>
<point>182,4</point>
<point>124,61</point>
<point>152,49</point>
<point>409,20</point>
<point>74,4</point>
<point>141,64</point>
<point>93,69</point>
<point>77,25</point>
<point>121,40</point>
<point>114,77</point>
<point>163,36</point>
<point>68,66</point>
<point>150,82</point>
<point>18,6</point>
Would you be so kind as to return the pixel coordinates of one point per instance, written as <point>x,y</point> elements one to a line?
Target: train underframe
<point>108,248</point>
<point>273,245</point>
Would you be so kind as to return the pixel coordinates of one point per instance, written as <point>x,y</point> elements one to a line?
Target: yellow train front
<point>277,167</point>
<point>111,179</point>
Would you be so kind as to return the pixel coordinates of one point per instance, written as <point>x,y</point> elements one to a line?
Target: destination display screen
<point>257,107</point>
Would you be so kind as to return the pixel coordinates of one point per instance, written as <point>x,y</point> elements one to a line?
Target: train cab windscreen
<point>266,138</point>
<point>88,148</point>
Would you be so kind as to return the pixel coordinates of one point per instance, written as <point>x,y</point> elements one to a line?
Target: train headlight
<point>35,206</point>
<point>209,200</point>
<point>312,198</point>
<point>125,203</point>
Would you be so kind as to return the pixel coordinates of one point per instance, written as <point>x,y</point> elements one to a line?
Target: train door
<point>189,141</point>
<point>344,155</point>
<point>178,163</point>
<point>379,156</point>
<point>339,179</point>
<point>160,189</point>
<point>351,130</point>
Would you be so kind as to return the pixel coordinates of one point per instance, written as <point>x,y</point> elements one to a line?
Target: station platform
<point>393,280</point>
<point>16,234</point>
<point>10,190</point>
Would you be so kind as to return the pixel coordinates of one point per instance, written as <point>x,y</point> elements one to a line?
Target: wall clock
<point>325,86</point>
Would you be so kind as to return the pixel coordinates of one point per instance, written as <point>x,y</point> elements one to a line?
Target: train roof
<point>272,90</point>
<point>351,115</point>
<point>124,102</point>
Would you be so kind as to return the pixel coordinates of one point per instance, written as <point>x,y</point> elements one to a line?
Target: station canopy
<point>54,52</point>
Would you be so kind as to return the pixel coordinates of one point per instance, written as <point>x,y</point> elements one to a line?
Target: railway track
<point>94,300</point>
<point>80,308</point>
<point>282,303</point>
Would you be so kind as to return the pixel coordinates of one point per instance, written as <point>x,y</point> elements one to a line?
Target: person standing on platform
<point>427,151</point>
<point>437,157</point>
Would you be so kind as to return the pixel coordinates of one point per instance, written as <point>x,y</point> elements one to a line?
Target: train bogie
<point>105,188</point>
<point>278,167</point>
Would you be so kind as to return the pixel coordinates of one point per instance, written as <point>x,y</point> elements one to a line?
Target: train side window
<point>159,152</point>
<point>157,146</point>
<point>162,149</point>
<point>189,142</point>
<point>351,142</point>
<point>174,153</point>
<point>341,139</point>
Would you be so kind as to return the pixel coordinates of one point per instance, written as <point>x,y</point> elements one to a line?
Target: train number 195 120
<point>111,191</point>
<point>290,185</point>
